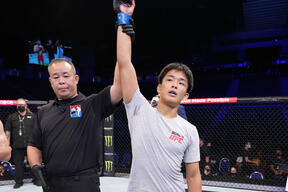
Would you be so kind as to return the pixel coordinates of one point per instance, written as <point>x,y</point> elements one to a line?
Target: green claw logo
<point>109,166</point>
<point>108,141</point>
<point>107,119</point>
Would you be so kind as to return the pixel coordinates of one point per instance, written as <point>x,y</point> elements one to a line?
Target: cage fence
<point>8,107</point>
<point>244,141</point>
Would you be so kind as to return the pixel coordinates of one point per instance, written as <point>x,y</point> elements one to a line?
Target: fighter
<point>160,138</point>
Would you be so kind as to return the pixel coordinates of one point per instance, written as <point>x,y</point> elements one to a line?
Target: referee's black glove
<point>37,172</point>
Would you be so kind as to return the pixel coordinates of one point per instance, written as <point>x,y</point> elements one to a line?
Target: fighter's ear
<point>186,96</point>
<point>159,88</point>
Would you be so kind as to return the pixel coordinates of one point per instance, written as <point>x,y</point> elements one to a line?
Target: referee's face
<point>63,80</point>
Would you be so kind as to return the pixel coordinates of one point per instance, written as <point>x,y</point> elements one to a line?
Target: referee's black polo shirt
<point>70,133</point>
<point>13,125</point>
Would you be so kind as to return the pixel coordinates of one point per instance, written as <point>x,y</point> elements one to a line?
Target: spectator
<point>50,48</point>
<point>204,157</point>
<point>250,162</point>
<point>60,50</point>
<point>18,129</point>
<point>39,49</point>
<point>233,172</point>
<point>276,165</point>
<point>212,158</point>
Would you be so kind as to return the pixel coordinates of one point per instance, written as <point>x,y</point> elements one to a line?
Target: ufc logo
<point>176,138</point>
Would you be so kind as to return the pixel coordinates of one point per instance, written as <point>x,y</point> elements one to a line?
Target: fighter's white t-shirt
<point>159,145</point>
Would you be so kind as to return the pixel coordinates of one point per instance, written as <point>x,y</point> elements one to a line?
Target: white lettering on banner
<point>210,100</point>
<point>217,100</point>
<point>7,102</point>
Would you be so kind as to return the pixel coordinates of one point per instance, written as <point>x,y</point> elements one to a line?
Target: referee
<point>68,134</point>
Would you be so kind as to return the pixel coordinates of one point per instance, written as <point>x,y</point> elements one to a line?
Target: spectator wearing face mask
<point>18,129</point>
<point>250,162</point>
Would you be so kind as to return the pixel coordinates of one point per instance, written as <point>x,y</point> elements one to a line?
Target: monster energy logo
<point>107,119</point>
<point>109,166</point>
<point>108,141</point>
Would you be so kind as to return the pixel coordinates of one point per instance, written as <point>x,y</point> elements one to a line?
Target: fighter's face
<point>63,80</point>
<point>173,88</point>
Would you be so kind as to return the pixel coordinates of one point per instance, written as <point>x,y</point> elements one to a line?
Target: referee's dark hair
<point>57,60</point>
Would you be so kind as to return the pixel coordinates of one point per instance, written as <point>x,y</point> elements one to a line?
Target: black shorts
<point>84,182</point>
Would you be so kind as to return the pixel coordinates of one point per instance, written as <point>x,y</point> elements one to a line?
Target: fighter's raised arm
<point>125,33</point>
<point>115,91</point>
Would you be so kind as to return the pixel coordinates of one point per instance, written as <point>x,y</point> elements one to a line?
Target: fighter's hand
<point>128,8</point>
<point>124,6</point>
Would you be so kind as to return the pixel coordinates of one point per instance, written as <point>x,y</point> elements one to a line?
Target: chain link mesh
<point>122,147</point>
<point>225,130</point>
<point>5,111</point>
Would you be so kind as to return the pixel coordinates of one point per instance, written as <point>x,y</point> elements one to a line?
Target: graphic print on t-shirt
<point>176,137</point>
<point>75,111</point>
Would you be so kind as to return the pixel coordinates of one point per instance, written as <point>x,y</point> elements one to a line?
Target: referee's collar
<point>79,97</point>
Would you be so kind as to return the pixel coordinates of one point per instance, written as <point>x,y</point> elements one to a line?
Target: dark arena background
<point>237,50</point>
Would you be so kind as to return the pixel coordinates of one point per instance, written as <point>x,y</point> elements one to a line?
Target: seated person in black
<point>250,162</point>
<point>278,165</point>
<point>205,167</point>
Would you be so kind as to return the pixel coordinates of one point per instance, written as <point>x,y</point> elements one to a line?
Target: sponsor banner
<point>108,166</point>
<point>7,102</point>
<point>108,121</point>
<point>210,100</point>
<point>108,140</point>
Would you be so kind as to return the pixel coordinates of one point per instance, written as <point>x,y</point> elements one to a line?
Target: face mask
<point>233,174</point>
<point>249,146</point>
<point>21,109</point>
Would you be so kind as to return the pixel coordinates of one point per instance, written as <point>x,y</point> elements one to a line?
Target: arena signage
<point>210,100</point>
<point>7,102</point>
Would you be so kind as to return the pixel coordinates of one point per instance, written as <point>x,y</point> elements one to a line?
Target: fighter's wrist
<point>123,18</point>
